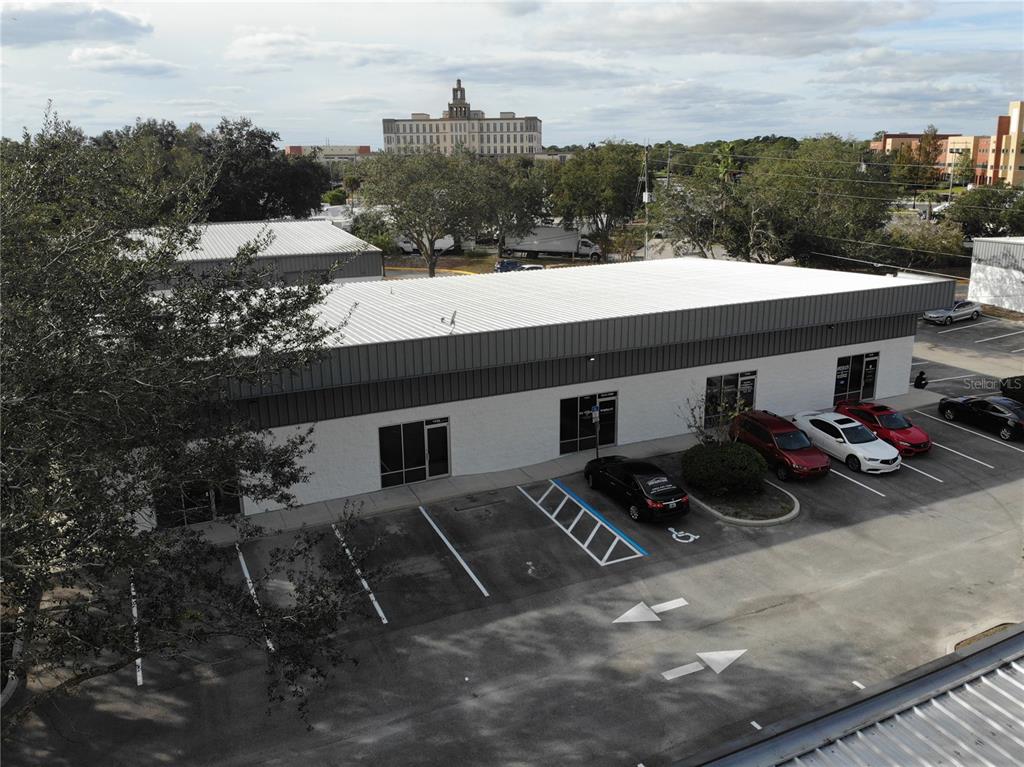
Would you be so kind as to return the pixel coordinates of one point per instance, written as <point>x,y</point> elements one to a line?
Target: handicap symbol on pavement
<point>682,536</point>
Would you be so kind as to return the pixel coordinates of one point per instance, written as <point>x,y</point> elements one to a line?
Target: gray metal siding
<point>369,363</point>
<point>412,391</point>
<point>366,264</point>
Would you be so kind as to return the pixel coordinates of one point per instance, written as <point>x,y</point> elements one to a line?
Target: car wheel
<point>634,513</point>
<point>853,463</point>
<point>782,472</point>
<point>590,480</point>
<point>947,321</point>
<point>974,315</point>
<point>1006,434</point>
<point>948,414</point>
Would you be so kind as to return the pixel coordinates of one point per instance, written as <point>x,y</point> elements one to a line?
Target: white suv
<point>844,438</point>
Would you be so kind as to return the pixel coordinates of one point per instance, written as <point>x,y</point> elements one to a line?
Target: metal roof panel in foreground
<point>290,238</point>
<point>401,310</point>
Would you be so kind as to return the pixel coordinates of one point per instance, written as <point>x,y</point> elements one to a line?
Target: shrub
<point>724,469</point>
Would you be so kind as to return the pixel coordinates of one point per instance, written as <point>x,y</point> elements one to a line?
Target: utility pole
<point>647,197</point>
<point>668,168</point>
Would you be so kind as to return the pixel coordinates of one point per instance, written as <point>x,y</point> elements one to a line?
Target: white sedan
<point>844,438</point>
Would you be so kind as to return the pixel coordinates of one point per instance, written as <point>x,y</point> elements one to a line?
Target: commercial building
<point>997,159</point>
<point>296,250</point>
<point>460,126</point>
<point>329,153</point>
<point>462,375</point>
<point>997,272</point>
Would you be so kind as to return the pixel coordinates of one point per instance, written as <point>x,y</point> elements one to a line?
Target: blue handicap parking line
<point>640,549</point>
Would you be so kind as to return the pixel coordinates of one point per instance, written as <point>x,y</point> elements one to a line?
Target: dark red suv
<point>888,425</point>
<point>786,449</point>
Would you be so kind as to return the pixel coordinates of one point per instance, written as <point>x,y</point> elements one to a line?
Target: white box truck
<point>552,241</point>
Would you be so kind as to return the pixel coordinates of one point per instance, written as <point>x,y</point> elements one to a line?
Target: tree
<point>513,198</point>
<point>963,168</point>
<point>335,196</point>
<point>691,212</point>
<point>913,242</point>
<point>428,196</point>
<point>914,166</point>
<point>372,227</point>
<point>988,211</point>
<point>599,186</point>
<point>117,396</point>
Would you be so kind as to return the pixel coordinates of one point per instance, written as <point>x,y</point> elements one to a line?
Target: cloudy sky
<point>644,71</point>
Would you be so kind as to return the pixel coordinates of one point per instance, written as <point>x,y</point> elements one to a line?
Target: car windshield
<point>857,435</point>
<point>656,484</point>
<point>894,421</point>
<point>792,440</point>
<point>1013,407</point>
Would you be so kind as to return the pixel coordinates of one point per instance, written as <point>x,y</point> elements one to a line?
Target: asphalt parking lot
<point>539,625</point>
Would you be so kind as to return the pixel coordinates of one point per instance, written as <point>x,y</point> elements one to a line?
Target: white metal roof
<point>395,310</point>
<point>978,723</point>
<point>290,238</point>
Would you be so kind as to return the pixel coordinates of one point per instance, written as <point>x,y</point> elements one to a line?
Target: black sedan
<point>1000,415</point>
<point>642,487</point>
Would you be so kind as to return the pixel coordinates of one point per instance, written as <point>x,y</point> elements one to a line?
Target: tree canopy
<point>117,396</point>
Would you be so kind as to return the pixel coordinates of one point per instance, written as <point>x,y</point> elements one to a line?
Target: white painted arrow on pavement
<point>717,661</point>
<point>640,612</point>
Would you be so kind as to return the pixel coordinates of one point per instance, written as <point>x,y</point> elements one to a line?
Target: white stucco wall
<point>513,430</point>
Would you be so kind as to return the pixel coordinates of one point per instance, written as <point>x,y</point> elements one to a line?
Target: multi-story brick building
<point>998,159</point>
<point>328,153</point>
<point>461,126</point>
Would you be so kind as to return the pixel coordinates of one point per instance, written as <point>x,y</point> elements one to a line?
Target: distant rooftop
<point>290,238</point>
<point>399,310</point>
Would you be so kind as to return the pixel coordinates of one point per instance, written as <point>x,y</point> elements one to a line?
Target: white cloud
<point>26,25</point>
<point>265,50</point>
<point>123,60</point>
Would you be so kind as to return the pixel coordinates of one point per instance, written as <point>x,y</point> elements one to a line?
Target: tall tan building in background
<point>998,159</point>
<point>462,126</point>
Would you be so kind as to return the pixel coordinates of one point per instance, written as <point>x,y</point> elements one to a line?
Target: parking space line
<point>359,574</point>
<point>967,327</point>
<point>908,466</point>
<point>957,452</point>
<point>995,338</point>
<point>858,685</point>
<point>971,431</point>
<point>1016,350</point>
<point>851,479</point>
<point>954,378</point>
<point>451,548</point>
<point>135,626</point>
<point>252,590</point>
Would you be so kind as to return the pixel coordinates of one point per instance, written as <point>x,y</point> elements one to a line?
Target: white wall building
<point>461,375</point>
<point>997,272</point>
<point>461,126</point>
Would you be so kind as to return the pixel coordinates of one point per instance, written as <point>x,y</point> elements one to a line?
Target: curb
<point>754,522</point>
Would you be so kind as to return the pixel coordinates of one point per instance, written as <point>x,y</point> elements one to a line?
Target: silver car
<point>961,310</point>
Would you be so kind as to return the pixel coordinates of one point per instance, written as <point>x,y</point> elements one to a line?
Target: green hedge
<point>724,469</point>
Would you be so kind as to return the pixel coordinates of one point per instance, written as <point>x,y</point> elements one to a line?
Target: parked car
<point>409,247</point>
<point>510,265</point>
<point>1013,387</point>
<point>889,425</point>
<point>787,450</point>
<point>961,310</point>
<point>1000,415</point>
<point>852,443</point>
<point>642,487</point>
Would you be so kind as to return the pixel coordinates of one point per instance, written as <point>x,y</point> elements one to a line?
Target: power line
<point>897,247</point>
<point>888,266</point>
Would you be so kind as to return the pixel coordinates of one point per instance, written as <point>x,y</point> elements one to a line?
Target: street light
<point>952,167</point>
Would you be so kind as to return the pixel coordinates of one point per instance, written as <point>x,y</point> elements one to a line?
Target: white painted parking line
<point>957,452</point>
<point>851,479</point>
<point>953,378</point>
<point>971,431</point>
<point>755,725</point>
<point>908,466</point>
<point>995,338</point>
<point>451,548</point>
<point>359,574</point>
<point>670,605</point>
<point>1016,350</point>
<point>252,590</point>
<point>135,626</point>
<point>968,327</point>
<point>858,685</point>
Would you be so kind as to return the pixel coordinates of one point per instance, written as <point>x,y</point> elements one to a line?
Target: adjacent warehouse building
<point>297,249</point>
<point>997,272</point>
<point>460,375</point>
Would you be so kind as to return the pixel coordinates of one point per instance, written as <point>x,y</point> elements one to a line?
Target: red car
<point>888,425</point>
<point>786,449</point>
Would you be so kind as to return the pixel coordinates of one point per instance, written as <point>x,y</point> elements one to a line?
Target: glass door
<point>437,448</point>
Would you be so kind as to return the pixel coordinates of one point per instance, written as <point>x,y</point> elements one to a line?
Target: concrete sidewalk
<point>432,491</point>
